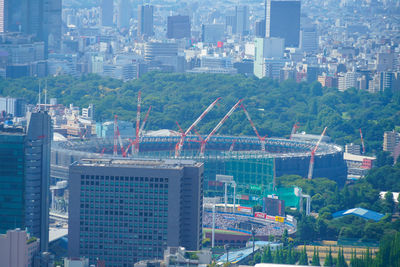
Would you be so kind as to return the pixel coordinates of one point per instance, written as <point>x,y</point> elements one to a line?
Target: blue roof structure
<point>360,212</point>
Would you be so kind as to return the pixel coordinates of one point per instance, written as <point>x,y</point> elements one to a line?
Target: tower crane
<point>179,146</point>
<point>204,142</point>
<point>135,147</point>
<point>117,139</point>
<point>311,168</point>
<point>262,139</point>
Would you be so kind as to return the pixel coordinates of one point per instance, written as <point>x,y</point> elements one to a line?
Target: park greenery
<point>274,107</point>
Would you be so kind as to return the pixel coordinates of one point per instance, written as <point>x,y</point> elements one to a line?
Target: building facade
<point>107,13</point>
<point>178,27</point>
<point>123,211</point>
<point>145,20</point>
<point>25,172</point>
<point>283,20</point>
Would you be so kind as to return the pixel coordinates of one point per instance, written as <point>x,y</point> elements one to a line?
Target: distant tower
<point>124,13</point>
<point>145,20</point>
<point>283,20</point>
<point>242,20</point>
<point>107,12</point>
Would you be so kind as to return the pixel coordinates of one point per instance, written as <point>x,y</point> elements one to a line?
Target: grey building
<point>212,33</point>
<point>107,12</point>
<point>14,106</point>
<point>126,210</point>
<point>124,13</point>
<point>178,27</point>
<point>283,20</point>
<point>242,20</point>
<point>145,20</point>
<point>24,176</point>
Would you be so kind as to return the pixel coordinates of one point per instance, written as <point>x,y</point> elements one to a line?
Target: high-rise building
<point>124,13</point>
<point>283,20</point>
<point>242,20</point>
<point>17,249</point>
<point>178,27</point>
<point>212,33</point>
<point>145,20</point>
<point>107,12</point>
<point>309,39</point>
<point>24,176</point>
<point>390,140</point>
<point>270,49</point>
<point>13,106</point>
<point>41,18</point>
<point>152,50</point>
<point>122,211</point>
<point>260,28</point>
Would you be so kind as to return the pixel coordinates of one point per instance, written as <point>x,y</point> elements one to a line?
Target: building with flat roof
<point>145,20</point>
<point>17,249</point>
<point>24,176</point>
<point>122,211</point>
<point>178,27</point>
<point>283,20</point>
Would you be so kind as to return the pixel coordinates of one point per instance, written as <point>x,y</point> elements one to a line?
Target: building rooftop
<point>142,163</point>
<point>360,212</point>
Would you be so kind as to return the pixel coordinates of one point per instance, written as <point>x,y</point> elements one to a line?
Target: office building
<point>353,149</point>
<point>242,20</point>
<point>283,20</point>
<point>152,50</point>
<point>24,176</point>
<point>178,27</point>
<point>124,13</point>
<point>309,39</point>
<point>122,211</point>
<point>347,80</point>
<point>212,33</point>
<point>260,28</point>
<point>39,18</point>
<point>17,249</point>
<point>145,20</point>
<point>13,106</point>
<point>271,49</point>
<point>107,12</point>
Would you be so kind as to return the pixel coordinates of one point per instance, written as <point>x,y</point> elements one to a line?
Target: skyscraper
<point>242,20</point>
<point>122,211</point>
<point>145,20</point>
<point>107,12</point>
<point>41,18</point>
<point>124,13</point>
<point>178,27</point>
<point>24,177</point>
<point>283,20</point>
<point>309,39</point>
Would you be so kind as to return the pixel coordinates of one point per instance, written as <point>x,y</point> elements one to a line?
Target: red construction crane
<point>232,146</point>
<point>311,168</point>
<point>362,141</point>
<point>262,139</point>
<point>117,139</point>
<point>294,130</point>
<point>135,148</point>
<point>204,142</point>
<point>135,144</point>
<point>179,146</point>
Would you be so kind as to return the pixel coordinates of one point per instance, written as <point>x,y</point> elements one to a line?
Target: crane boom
<point>203,144</point>
<point>144,122</point>
<point>178,147</point>
<point>311,167</point>
<point>262,139</point>
<point>294,129</point>
<point>135,147</point>
<point>115,150</point>
<point>362,141</point>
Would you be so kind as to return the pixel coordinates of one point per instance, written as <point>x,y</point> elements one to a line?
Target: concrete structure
<point>283,20</point>
<point>76,262</point>
<point>14,106</point>
<point>25,159</point>
<point>347,80</point>
<point>242,20</point>
<point>390,140</point>
<point>17,249</point>
<point>178,27</point>
<point>144,206</point>
<point>268,57</point>
<point>124,13</point>
<point>309,39</point>
<point>212,33</point>
<point>145,20</point>
<point>107,12</point>
<point>353,149</point>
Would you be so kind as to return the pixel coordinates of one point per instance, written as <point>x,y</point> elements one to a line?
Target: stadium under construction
<point>254,162</point>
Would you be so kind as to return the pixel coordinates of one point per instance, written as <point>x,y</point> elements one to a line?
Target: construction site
<point>253,161</point>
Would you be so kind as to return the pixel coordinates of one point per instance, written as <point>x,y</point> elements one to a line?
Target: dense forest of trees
<point>274,107</point>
